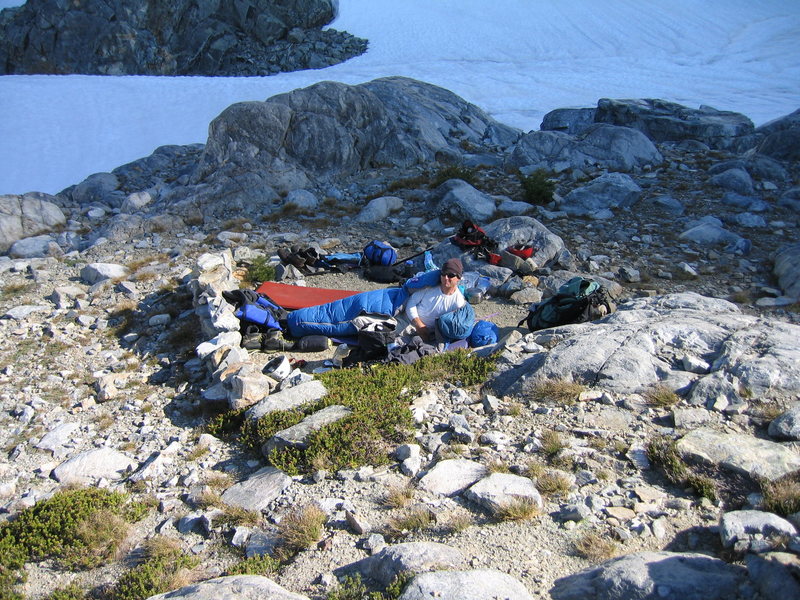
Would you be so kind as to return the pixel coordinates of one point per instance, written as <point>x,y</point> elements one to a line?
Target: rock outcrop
<point>637,347</point>
<point>659,120</point>
<point>138,37</point>
<point>27,216</point>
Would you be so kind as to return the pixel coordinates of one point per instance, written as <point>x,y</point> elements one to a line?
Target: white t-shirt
<point>430,303</point>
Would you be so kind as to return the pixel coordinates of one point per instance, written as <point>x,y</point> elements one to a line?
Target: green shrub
<point>255,565</point>
<point>260,270</point>
<point>553,484</point>
<point>160,572</point>
<point>226,424</point>
<point>552,443</point>
<point>71,592</point>
<point>663,451</point>
<point>79,528</point>
<point>352,588</point>
<point>518,509</point>
<point>15,290</point>
<point>379,397</point>
<point>595,547</point>
<point>419,517</point>
<point>454,172</point>
<point>537,188</point>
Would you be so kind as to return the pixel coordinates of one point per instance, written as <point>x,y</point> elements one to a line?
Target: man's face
<point>449,281</point>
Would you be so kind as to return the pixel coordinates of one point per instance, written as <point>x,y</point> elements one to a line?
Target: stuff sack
<point>577,301</point>
<point>483,334</point>
<point>252,313</point>
<point>456,325</point>
<point>380,253</point>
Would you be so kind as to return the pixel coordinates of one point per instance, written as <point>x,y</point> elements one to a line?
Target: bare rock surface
<point>672,576</point>
<point>480,584</point>
<point>239,587</point>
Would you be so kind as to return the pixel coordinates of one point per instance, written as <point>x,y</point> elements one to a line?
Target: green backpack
<point>577,301</point>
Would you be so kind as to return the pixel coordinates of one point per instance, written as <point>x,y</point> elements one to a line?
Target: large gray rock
<point>257,491</point>
<point>332,127</point>
<point>89,466</point>
<point>787,425</point>
<point>743,526</point>
<point>480,584</point>
<point>791,199</point>
<point>663,121</point>
<point>600,145</point>
<point>57,439</point>
<point>379,208</point>
<point>289,398</point>
<point>506,232</point>
<point>451,477</point>
<point>94,272</point>
<point>708,231</point>
<point>416,557</point>
<point>735,180</point>
<point>599,196</point>
<point>462,201</point>
<point>500,490</point>
<point>27,216</point>
<point>775,574</point>
<point>38,246</point>
<point>187,37</point>
<point>781,137</point>
<point>651,575</point>
<point>628,351</point>
<point>787,269</point>
<point>96,188</point>
<point>234,587</point>
<point>568,120</point>
<point>297,436</point>
<point>741,453</point>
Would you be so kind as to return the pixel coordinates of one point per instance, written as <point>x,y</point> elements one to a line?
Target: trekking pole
<point>420,253</point>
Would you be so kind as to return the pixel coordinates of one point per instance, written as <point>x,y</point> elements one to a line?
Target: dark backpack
<point>577,301</point>
<point>380,253</point>
<point>383,273</point>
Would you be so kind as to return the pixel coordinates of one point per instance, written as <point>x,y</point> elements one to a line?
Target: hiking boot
<point>284,254</point>
<point>310,255</point>
<point>275,344</point>
<point>251,341</point>
<point>296,260</point>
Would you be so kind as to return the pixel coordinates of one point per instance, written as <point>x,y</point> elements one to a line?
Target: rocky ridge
<point>118,296</point>
<point>187,38</point>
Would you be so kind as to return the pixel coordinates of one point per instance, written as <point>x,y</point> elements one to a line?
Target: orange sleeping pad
<point>291,297</point>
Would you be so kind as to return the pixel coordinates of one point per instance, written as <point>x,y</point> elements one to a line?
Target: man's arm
<point>413,316</point>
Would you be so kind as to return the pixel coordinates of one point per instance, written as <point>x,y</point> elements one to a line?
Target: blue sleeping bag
<point>334,319</point>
